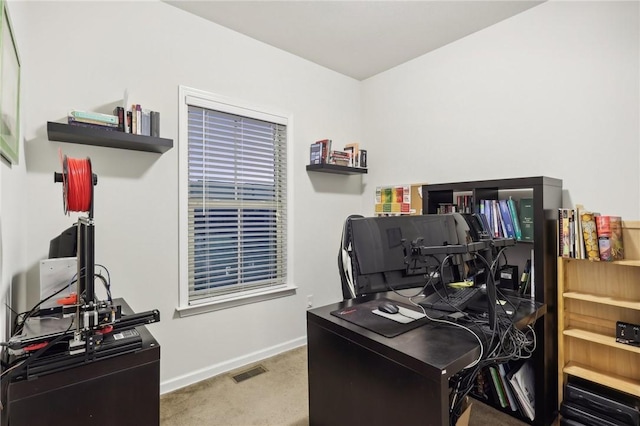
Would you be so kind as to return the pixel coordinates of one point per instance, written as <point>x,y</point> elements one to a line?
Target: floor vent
<point>253,372</point>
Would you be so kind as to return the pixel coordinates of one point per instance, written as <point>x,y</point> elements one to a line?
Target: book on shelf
<point>507,221</point>
<point>352,149</point>
<point>564,237</point>
<point>138,112</point>
<point>514,217</point>
<point>145,116</point>
<point>340,158</point>
<point>464,203</point>
<point>511,398</point>
<point>579,236</point>
<point>522,382</point>
<point>155,124</point>
<point>315,153</point>
<point>326,149</point>
<point>526,222</point>
<point>94,116</point>
<point>73,120</point>
<point>590,235</point>
<point>91,125</point>
<point>610,244</point>
<point>120,113</point>
<point>362,161</point>
<point>497,385</point>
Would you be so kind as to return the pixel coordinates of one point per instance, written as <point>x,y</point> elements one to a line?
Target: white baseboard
<point>214,370</point>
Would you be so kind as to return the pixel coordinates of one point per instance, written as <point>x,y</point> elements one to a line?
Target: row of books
<point>463,204</point>
<point>507,220</point>
<point>137,121</point>
<point>503,217</point>
<point>510,386</point>
<point>321,152</point>
<point>589,235</point>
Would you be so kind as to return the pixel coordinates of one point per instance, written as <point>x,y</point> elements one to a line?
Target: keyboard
<point>453,301</point>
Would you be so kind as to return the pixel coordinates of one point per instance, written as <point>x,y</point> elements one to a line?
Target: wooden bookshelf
<point>592,297</point>
<point>61,132</point>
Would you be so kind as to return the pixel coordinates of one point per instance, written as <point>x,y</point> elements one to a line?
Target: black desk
<point>360,377</point>
<point>122,390</point>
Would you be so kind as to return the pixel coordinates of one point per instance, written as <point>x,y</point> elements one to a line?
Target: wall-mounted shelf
<point>332,168</point>
<point>109,138</point>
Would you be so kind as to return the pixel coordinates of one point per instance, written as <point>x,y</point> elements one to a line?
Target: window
<point>233,200</point>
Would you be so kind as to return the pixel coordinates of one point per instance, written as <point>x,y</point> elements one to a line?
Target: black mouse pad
<point>363,316</point>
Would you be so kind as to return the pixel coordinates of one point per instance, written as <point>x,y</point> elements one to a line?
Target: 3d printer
<point>81,328</point>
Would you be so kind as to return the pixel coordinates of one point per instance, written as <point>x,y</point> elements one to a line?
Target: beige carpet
<point>277,397</point>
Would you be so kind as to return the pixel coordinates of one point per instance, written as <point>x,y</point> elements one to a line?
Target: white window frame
<point>190,96</point>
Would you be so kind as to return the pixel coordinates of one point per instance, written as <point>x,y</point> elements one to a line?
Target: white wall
<point>553,91</point>
<point>83,55</point>
<point>13,247</point>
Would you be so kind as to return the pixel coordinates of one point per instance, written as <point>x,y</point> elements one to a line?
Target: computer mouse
<point>389,308</point>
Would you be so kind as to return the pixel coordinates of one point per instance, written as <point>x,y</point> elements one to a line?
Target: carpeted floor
<point>277,397</point>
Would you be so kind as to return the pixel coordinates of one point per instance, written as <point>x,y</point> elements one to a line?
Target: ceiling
<point>356,38</point>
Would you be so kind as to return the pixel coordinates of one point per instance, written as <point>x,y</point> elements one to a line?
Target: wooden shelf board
<point>333,168</point>
<point>600,339</point>
<point>623,384</point>
<point>605,300</point>
<point>625,262</point>
<point>61,132</point>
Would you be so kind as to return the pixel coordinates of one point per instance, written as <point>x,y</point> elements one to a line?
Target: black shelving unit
<point>547,198</point>
<point>61,132</point>
<point>333,168</point>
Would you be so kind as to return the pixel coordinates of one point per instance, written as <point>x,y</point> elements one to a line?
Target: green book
<point>498,385</point>
<point>526,222</point>
<point>514,218</point>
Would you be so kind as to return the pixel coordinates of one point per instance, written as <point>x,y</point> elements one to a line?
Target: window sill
<point>216,304</point>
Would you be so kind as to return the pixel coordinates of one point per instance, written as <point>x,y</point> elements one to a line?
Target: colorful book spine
<point>610,244</point>
<point>617,245</point>
<point>603,227</point>
<point>506,219</point>
<point>502,398</point>
<point>590,235</point>
<point>514,216</point>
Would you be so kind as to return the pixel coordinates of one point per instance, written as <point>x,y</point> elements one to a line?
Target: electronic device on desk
<point>401,252</point>
<point>79,327</point>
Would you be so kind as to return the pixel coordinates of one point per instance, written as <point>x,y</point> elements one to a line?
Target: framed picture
<point>9,88</point>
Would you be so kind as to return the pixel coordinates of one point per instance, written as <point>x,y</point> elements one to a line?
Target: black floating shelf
<point>332,168</point>
<point>110,138</point>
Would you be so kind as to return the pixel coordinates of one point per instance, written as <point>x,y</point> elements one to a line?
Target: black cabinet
<point>122,389</point>
<point>109,138</point>
<point>547,198</point>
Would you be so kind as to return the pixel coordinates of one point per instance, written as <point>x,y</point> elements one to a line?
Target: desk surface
<point>435,350</point>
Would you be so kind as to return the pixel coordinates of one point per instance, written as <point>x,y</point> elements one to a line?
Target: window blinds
<point>237,203</point>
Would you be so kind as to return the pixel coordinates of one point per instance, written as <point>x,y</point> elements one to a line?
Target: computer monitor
<point>379,246</point>
<point>65,244</point>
